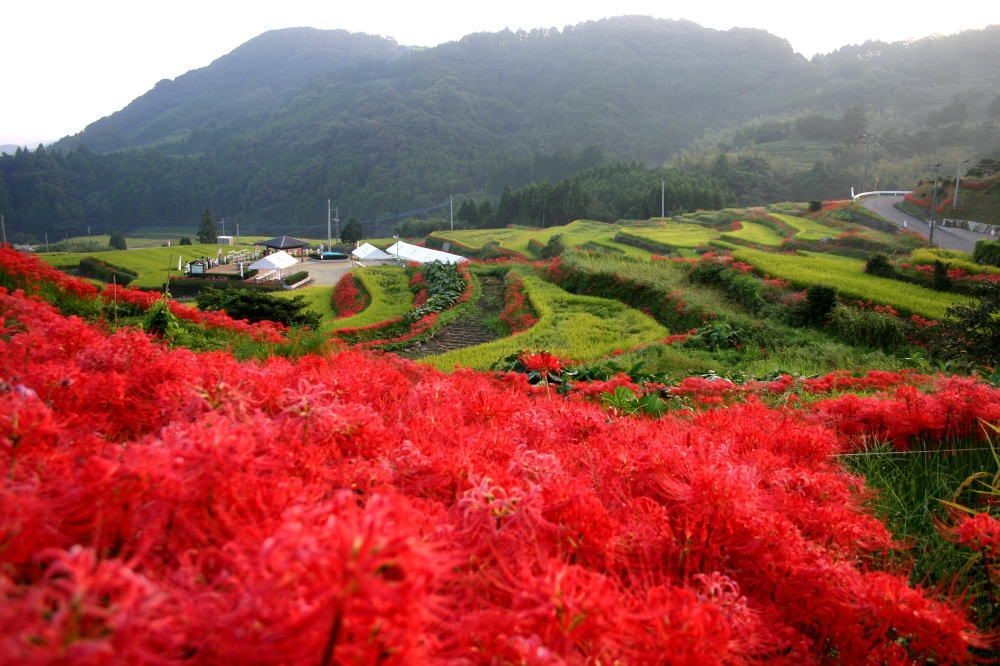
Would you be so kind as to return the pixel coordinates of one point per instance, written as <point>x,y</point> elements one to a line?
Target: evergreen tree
<point>117,241</point>
<point>352,232</point>
<point>207,232</point>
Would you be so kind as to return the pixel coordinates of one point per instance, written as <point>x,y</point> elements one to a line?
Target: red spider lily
<point>348,298</point>
<point>543,363</point>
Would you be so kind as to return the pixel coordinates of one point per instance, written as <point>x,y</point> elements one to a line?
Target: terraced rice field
<point>674,234</point>
<point>575,234</point>
<point>848,277</point>
<point>755,232</point>
<point>151,263</point>
<point>581,328</point>
<point>807,229</point>
<point>388,287</point>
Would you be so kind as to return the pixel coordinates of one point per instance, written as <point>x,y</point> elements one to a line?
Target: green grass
<point>909,488</point>
<point>574,234</point>
<point>388,287</point>
<point>581,328</point>
<point>151,264</point>
<point>954,258</point>
<point>807,229</point>
<point>674,234</point>
<point>318,299</point>
<point>849,278</point>
<point>754,232</point>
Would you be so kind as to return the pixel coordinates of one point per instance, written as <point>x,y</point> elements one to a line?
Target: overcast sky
<point>64,64</point>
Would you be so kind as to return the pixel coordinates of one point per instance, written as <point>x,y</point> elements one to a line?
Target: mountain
<point>265,134</point>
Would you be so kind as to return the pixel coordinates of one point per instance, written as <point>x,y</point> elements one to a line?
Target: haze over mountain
<point>267,132</point>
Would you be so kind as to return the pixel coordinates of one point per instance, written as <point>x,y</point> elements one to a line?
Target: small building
<point>198,267</point>
<point>283,244</point>
<point>226,240</point>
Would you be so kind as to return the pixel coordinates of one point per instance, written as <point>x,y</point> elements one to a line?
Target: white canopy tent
<point>422,255</point>
<point>277,261</point>
<point>368,252</point>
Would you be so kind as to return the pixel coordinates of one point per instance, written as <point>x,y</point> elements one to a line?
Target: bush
<point>987,253</point>
<point>117,241</point>
<point>185,240</point>
<point>555,247</point>
<point>820,302</point>
<point>941,281</point>
<point>972,332</point>
<point>295,278</point>
<point>194,286</point>
<point>815,206</point>
<point>878,264</point>
<point>256,305</point>
<point>867,327</point>
<point>97,269</point>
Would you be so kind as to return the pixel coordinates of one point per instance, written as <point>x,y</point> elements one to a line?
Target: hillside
<point>979,200</point>
<point>266,133</point>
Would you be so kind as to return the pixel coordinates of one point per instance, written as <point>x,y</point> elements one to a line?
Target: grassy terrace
<point>388,287</point>
<point>150,263</point>
<point>581,328</point>
<point>674,234</point>
<point>807,229</point>
<point>754,232</point>
<point>574,234</point>
<point>849,278</point>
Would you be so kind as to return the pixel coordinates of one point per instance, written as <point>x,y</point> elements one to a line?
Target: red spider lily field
<point>161,504</point>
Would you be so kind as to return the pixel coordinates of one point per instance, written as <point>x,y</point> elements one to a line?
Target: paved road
<point>951,239</point>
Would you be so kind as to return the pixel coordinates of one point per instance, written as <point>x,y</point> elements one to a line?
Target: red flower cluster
<point>348,298</point>
<point>31,274</point>
<point>162,505</point>
<point>542,362</point>
<point>517,314</point>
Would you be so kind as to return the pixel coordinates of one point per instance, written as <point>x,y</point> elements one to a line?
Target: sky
<point>67,63</point>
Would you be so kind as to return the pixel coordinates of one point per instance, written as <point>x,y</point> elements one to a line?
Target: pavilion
<point>283,243</point>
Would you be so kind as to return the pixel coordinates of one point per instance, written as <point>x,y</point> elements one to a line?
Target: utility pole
<point>451,212</point>
<point>237,233</point>
<point>46,241</point>
<point>663,198</point>
<point>3,223</point>
<point>870,143</point>
<point>336,221</point>
<point>958,182</point>
<point>223,226</point>
<point>937,169</point>
<point>329,236</point>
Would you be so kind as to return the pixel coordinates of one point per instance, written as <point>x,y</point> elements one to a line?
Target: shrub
<point>987,253</point>
<point>185,240</point>
<point>819,303</point>
<point>295,278</point>
<point>878,264</point>
<point>815,206</point>
<point>555,247</point>
<point>941,281</point>
<point>117,241</point>
<point>972,332</point>
<point>93,267</point>
<point>254,305</point>
<point>742,288</point>
<point>867,327</point>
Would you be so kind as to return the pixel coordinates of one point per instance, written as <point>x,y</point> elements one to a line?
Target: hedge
<point>295,278</point>
<point>95,268</point>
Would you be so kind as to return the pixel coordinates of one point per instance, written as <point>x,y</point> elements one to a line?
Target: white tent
<point>422,255</point>
<point>277,261</point>
<point>368,252</point>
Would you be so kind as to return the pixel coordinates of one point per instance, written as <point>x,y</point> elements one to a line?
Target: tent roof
<point>283,243</point>
<point>422,255</point>
<point>370,252</point>
<point>274,262</point>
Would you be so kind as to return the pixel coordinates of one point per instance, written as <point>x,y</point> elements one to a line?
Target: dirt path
<point>468,330</point>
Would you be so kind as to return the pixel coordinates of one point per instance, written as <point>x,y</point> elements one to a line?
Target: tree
<point>972,331</point>
<point>207,232</point>
<point>185,240</point>
<point>117,241</point>
<point>352,232</point>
